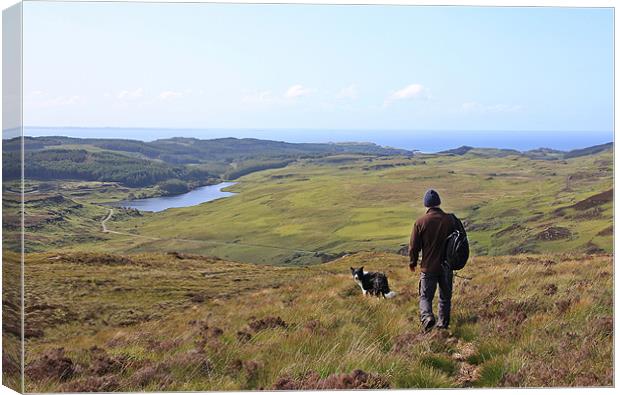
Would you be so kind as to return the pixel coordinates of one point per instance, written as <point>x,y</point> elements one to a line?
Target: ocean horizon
<point>421,140</point>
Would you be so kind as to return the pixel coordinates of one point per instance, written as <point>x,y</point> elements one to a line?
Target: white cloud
<point>350,92</point>
<point>64,100</point>
<point>258,97</point>
<point>410,92</point>
<point>170,95</point>
<point>293,93</point>
<point>475,107</point>
<point>296,91</point>
<point>34,95</point>
<point>131,94</point>
<point>40,99</point>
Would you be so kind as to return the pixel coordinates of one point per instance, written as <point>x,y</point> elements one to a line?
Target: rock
<point>554,233</point>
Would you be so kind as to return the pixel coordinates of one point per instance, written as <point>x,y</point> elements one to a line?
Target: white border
<point>506,3</point>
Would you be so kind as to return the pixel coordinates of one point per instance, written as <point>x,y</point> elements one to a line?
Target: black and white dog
<point>372,283</point>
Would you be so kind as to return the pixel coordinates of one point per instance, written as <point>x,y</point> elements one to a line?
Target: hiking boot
<point>428,323</point>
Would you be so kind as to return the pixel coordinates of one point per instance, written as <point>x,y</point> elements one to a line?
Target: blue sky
<point>317,67</point>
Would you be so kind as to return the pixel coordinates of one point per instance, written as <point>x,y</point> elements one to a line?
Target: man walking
<point>429,236</point>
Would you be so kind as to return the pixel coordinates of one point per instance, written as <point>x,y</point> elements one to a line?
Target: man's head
<point>431,198</point>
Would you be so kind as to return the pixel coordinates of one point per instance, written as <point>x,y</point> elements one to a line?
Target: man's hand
<point>412,266</point>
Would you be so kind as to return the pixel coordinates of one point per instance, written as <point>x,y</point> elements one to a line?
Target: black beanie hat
<point>431,198</point>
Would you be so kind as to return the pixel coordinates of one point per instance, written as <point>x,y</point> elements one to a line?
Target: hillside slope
<point>137,163</point>
<point>186,322</point>
<point>313,209</point>
<point>346,203</point>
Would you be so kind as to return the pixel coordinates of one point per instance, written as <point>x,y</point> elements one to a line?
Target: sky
<point>317,67</point>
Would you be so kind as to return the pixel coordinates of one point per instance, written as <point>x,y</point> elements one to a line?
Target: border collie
<point>372,283</point>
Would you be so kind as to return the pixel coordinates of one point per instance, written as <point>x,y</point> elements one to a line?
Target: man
<point>429,235</point>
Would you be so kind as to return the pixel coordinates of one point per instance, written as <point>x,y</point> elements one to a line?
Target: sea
<point>420,140</point>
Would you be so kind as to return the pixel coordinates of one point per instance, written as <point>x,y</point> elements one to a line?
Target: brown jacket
<point>429,235</point>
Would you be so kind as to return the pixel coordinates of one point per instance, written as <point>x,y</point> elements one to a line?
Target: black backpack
<point>457,246</point>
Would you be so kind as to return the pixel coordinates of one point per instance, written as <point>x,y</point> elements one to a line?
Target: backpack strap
<point>455,222</point>
<point>458,224</point>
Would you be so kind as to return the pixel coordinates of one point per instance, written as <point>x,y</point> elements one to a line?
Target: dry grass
<point>521,321</point>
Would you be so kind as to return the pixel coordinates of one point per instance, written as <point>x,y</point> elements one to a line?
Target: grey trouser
<point>428,285</point>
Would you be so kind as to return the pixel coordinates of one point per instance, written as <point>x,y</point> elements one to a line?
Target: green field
<point>342,204</point>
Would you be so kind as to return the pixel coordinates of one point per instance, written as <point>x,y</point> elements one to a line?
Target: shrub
<point>173,186</point>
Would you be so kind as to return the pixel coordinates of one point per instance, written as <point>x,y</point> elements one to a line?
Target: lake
<point>191,198</point>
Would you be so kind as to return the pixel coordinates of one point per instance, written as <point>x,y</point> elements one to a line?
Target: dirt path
<point>104,228</point>
<point>467,373</point>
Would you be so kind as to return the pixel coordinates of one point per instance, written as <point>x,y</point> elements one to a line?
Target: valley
<point>253,290</point>
<point>321,207</point>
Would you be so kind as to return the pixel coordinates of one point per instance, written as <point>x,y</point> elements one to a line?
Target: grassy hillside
<point>191,150</point>
<point>11,319</point>
<point>138,164</point>
<point>254,291</point>
<point>312,208</point>
<point>183,322</point>
<point>81,164</point>
<point>315,209</point>
<point>57,214</point>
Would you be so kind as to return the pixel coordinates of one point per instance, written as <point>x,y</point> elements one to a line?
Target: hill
<point>539,153</point>
<point>162,322</point>
<point>192,150</point>
<point>588,151</point>
<point>312,209</point>
<point>319,208</point>
<point>81,164</point>
<point>137,163</point>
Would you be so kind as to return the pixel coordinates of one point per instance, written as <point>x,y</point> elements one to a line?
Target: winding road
<point>104,228</point>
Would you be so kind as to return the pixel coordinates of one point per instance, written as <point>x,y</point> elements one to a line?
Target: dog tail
<point>390,294</point>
